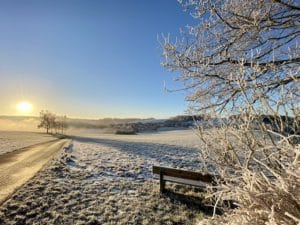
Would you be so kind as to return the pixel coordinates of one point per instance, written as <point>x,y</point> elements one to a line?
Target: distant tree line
<point>52,123</point>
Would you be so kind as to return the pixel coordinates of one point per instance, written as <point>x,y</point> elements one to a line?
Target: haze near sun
<point>24,107</point>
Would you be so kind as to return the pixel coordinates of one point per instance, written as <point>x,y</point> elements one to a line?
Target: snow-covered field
<point>107,179</point>
<point>12,140</point>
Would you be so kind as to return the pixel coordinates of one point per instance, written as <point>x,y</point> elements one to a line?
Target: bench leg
<point>162,182</point>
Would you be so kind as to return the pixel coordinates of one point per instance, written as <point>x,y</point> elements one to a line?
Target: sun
<point>24,107</point>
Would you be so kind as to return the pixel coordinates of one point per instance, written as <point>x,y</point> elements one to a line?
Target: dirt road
<point>19,166</point>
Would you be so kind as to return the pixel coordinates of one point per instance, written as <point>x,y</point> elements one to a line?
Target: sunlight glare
<point>24,107</point>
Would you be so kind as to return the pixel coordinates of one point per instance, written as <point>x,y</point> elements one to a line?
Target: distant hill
<point>135,125</point>
<point>177,122</point>
<point>29,123</point>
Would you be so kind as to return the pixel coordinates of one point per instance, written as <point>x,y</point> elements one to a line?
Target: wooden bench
<point>182,177</point>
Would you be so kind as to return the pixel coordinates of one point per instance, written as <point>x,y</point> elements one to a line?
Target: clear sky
<point>88,59</point>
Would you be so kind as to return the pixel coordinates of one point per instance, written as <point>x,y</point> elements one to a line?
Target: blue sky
<point>88,59</point>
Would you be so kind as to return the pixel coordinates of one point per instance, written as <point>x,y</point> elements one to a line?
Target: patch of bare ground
<point>108,181</point>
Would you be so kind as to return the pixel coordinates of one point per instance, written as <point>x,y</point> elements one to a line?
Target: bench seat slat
<point>185,181</point>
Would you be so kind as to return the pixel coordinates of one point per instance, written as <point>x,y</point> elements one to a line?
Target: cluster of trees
<point>242,58</point>
<point>52,123</point>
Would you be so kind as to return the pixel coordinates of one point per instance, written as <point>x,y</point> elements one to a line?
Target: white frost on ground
<point>13,140</point>
<point>108,179</point>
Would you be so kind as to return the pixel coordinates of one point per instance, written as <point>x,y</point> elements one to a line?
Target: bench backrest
<point>184,174</point>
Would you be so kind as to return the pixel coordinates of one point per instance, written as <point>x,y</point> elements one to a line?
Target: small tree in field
<point>242,62</point>
<point>52,123</point>
<point>47,121</point>
<point>62,124</point>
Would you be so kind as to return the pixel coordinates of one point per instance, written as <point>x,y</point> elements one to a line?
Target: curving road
<point>17,167</point>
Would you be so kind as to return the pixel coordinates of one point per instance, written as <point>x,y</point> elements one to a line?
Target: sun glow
<point>24,107</point>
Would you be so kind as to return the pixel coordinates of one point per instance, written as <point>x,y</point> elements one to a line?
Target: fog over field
<point>30,123</point>
<point>18,123</point>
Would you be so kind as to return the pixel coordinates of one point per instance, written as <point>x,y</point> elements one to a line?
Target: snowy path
<point>19,166</point>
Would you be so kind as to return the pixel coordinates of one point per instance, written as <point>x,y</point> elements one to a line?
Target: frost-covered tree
<point>240,52</point>
<point>52,123</point>
<point>61,124</point>
<point>242,60</point>
<point>47,120</point>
